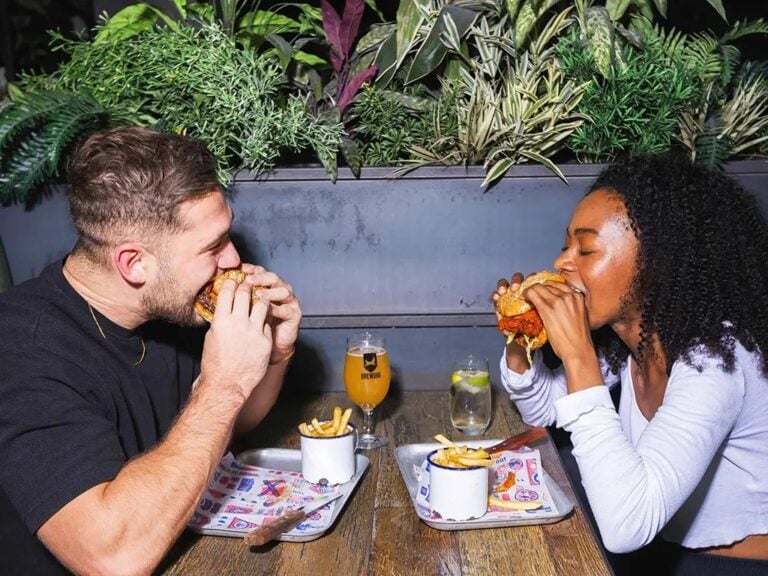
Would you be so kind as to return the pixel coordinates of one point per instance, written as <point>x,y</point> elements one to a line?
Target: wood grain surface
<point>378,532</point>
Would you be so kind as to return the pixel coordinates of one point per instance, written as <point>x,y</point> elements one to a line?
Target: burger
<point>519,318</point>
<point>206,298</point>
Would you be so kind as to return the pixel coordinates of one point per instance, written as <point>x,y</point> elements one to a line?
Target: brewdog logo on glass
<point>369,361</point>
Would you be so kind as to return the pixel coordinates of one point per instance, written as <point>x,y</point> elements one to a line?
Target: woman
<point>671,260</point>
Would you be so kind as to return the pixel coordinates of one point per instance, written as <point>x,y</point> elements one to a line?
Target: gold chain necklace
<point>103,335</point>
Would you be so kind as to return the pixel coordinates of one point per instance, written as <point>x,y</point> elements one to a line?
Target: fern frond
<point>24,115</point>
<point>746,28</point>
<point>712,149</point>
<point>37,134</point>
<point>26,170</point>
<point>702,53</point>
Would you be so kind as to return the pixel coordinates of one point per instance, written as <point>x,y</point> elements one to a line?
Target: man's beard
<point>163,301</point>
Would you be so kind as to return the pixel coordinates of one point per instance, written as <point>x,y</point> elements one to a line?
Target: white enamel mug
<point>329,460</point>
<point>457,493</point>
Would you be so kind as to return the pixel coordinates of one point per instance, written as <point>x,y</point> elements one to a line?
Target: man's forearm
<point>262,399</point>
<point>131,522</point>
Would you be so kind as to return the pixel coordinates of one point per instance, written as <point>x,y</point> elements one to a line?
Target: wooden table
<point>378,532</point>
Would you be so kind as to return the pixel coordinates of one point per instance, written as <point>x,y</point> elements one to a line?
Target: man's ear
<point>134,263</point>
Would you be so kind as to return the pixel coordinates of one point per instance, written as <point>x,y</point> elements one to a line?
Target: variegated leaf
<point>374,37</point>
<point>497,171</point>
<point>544,161</point>
<point>617,8</point>
<point>410,17</point>
<point>599,35</point>
<point>526,18</point>
<point>452,23</point>
<point>512,8</point>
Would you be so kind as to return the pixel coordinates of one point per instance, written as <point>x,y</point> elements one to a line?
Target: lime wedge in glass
<point>476,378</point>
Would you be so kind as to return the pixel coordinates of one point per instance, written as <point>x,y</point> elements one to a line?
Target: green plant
<point>254,29</point>
<point>634,109</point>
<point>193,80</point>
<point>510,110</point>
<point>737,124</point>
<point>732,117</point>
<point>36,132</point>
<point>390,124</point>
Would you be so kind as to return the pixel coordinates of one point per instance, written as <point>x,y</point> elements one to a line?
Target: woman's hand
<point>516,357</point>
<point>564,314</point>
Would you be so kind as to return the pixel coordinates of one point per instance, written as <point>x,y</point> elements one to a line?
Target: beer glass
<point>366,378</point>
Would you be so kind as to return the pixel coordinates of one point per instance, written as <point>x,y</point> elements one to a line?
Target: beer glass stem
<point>368,423</point>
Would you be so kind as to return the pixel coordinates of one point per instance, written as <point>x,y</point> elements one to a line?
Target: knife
<point>267,532</point>
<point>519,440</point>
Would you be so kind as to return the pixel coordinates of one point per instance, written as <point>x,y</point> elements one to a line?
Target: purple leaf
<point>350,24</point>
<point>332,27</point>
<point>354,85</point>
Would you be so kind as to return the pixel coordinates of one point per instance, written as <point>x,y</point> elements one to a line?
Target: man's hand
<point>238,344</point>
<point>284,310</point>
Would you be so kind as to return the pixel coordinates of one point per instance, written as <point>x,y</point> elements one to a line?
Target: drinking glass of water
<point>470,395</point>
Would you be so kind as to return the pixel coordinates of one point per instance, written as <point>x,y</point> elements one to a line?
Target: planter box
<point>414,258</point>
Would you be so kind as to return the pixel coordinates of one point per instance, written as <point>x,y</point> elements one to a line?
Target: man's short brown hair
<point>127,184</point>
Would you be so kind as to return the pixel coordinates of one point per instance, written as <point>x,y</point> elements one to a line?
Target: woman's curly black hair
<point>701,275</point>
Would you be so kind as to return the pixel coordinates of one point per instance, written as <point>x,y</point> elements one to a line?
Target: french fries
<point>453,456</point>
<point>513,505</point>
<point>336,426</point>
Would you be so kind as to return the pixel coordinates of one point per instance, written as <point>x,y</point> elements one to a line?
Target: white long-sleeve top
<point>697,472</point>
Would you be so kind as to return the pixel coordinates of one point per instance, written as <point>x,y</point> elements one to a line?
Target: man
<point>106,445</point>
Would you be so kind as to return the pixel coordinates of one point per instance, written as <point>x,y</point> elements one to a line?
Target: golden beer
<point>367,376</point>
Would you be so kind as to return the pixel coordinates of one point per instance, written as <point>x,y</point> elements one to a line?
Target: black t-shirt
<point>75,405</point>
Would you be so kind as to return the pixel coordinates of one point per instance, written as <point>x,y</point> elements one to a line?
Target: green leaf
<point>386,61</point>
<point>497,171</point>
<point>284,49</point>
<point>372,5</point>
<point>181,8</point>
<point>433,49</point>
<point>41,129</point>
<point>14,92</point>
<point>352,155</point>
<point>410,17</point>
<point>128,22</point>
<point>617,8</point>
<point>523,24</point>
<point>374,38</point>
<point>309,59</point>
<point>718,5</point>
<point>263,22</point>
<point>661,6</point>
<point>646,8</point>
<point>531,155</point>
<point>599,35</point>
<point>410,102</point>
<point>205,12</point>
<point>512,7</point>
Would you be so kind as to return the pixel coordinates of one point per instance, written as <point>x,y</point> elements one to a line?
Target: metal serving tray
<point>290,460</point>
<point>410,457</point>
